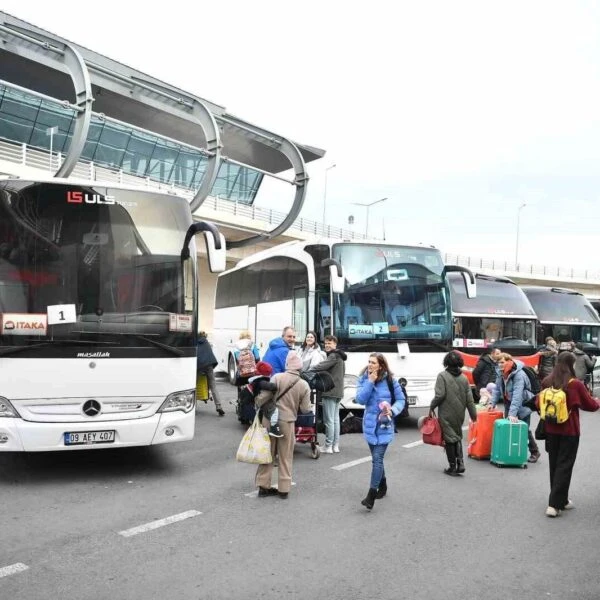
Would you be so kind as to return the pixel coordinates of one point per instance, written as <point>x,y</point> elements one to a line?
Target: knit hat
<point>293,362</point>
<point>264,368</point>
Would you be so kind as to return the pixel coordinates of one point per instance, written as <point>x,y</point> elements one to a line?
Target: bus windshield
<point>565,315</point>
<point>501,314</point>
<point>392,293</point>
<point>83,263</point>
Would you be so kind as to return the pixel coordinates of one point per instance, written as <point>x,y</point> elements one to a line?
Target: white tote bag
<point>255,447</point>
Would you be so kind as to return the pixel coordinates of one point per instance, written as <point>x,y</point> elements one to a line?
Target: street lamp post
<point>518,227</point>
<point>51,131</point>
<point>368,206</point>
<point>325,192</point>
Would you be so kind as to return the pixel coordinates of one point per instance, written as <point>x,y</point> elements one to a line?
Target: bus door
<point>300,312</point>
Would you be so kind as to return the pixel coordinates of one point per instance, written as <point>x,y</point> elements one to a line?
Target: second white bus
<point>374,297</point>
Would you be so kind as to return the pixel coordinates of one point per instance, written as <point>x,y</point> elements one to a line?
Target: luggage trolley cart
<point>305,427</point>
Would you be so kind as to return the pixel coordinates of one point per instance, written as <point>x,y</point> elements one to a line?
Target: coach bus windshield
<point>392,293</point>
<point>83,264</point>
<point>501,314</point>
<point>565,315</point>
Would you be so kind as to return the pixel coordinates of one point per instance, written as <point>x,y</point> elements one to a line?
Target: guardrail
<point>40,159</point>
<point>508,267</point>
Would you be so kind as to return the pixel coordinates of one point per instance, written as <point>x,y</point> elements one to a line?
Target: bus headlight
<point>184,401</point>
<point>7,409</point>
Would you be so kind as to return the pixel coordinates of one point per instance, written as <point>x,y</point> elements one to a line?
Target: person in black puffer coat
<point>485,370</point>
<point>206,363</point>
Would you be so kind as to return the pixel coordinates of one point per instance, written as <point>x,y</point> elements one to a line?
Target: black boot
<point>370,499</point>
<point>460,465</point>
<point>382,489</point>
<point>534,451</point>
<point>451,455</point>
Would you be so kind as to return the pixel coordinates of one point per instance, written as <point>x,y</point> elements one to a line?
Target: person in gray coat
<point>334,364</point>
<point>452,396</point>
<point>584,364</point>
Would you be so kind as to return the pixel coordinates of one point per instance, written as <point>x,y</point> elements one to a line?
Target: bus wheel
<point>231,370</point>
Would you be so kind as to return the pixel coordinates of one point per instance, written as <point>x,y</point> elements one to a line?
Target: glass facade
<point>25,117</point>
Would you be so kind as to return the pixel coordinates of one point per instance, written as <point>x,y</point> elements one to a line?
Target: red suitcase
<point>479,438</point>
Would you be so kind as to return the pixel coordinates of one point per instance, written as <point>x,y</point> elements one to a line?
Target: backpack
<point>320,381</point>
<point>404,414</point>
<point>246,363</point>
<point>351,424</point>
<point>553,406</point>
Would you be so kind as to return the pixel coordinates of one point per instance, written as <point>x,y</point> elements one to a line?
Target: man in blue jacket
<point>279,348</point>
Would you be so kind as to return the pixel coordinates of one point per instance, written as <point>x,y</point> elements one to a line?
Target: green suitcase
<point>509,444</point>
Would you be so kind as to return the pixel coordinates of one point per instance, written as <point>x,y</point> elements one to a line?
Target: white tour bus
<point>98,294</point>
<point>567,316</point>
<point>374,297</point>
<point>500,315</point>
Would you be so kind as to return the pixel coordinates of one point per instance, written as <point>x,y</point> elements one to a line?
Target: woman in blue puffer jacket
<point>378,421</point>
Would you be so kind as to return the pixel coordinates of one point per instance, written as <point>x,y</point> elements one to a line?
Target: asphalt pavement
<point>183,521</point>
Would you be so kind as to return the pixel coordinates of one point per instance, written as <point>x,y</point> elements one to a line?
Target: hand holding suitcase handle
<point>513,419</point>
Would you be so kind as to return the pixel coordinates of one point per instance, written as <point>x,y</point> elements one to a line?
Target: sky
<point>457,112</point>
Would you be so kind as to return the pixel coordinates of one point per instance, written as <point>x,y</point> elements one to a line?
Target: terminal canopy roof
<point>123,93</point>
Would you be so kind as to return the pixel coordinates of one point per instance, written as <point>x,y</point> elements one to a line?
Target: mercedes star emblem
<point>92,408</point>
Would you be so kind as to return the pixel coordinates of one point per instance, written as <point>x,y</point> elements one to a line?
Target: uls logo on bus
<point>85,198</point>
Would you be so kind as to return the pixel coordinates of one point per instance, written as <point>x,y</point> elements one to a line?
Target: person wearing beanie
<point>291,395</point>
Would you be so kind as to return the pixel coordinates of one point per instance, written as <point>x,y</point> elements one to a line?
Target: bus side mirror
<point>336,275</point>
<point>215,245</point>
<point>468,278</point>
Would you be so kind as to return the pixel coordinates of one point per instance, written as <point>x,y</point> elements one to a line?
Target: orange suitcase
<point>479,438</point>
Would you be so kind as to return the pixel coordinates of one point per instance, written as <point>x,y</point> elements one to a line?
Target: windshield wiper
<point>171,349</point>
<point>16,349</point>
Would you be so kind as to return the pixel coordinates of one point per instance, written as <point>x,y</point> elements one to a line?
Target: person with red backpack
<point>246,356</point>
<point>562,439</point>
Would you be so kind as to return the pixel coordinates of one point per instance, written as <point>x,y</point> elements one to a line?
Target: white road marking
<point>159,523</point>
<point>413,444</point>
<point>12,569</point>
<point>352,463</point>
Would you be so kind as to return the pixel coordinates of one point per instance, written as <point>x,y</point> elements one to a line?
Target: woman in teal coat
<point>374,391</point>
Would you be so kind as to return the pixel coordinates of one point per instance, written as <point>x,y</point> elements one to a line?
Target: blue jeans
<point>377,468</point>
<point>331,419</point>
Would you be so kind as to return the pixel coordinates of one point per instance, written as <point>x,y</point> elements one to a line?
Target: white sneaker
<point>328,450</point>
<point>336,448</point>
<point>568,506</point>
<point>552,512</point>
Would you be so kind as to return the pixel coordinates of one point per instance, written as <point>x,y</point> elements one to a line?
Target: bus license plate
<point>89,437</point>
<point>412,400</point>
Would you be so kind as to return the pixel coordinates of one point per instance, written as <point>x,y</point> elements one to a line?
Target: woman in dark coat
<point>452,396</point>
<point>206,363</point>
